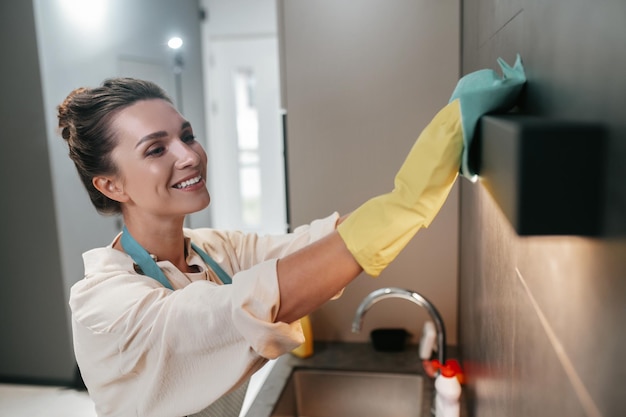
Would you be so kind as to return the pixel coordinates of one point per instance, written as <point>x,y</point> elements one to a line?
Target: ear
<point>111,188</point>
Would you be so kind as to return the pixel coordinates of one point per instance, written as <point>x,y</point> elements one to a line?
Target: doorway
<point>246,152</point>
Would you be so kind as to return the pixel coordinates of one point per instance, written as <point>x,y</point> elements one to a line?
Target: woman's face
<point>161,166</point>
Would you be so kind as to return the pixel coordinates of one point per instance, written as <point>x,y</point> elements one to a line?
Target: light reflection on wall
<point>89,15</point>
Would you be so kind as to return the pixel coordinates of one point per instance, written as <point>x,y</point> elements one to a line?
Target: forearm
<point>313,275</point>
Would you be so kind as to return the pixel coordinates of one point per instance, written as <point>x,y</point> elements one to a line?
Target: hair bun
<point>66,114</point>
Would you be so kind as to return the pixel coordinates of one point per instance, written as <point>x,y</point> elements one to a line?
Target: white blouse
<point>144,350</point>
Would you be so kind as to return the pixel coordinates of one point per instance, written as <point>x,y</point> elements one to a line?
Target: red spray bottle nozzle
<point>450,369</point>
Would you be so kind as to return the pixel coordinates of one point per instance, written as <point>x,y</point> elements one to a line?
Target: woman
<point>142,348</point>
<point>158,327</point>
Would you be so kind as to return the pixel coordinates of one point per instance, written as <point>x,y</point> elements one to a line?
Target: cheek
<point>200,150</point>
<point>140,179</point>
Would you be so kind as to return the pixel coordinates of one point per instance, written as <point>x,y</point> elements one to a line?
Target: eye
<point>188,138</point>
<point>155,150</point>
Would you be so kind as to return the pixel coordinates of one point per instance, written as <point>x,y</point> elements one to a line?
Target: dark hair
<point>85,118</point>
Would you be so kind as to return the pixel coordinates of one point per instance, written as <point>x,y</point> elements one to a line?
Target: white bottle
<point>448,393</point>
<point>427,342</point>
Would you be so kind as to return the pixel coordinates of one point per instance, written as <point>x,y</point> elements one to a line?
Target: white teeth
<point>188,183</point>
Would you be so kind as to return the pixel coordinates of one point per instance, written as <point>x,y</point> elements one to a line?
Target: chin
<point>202,206</point>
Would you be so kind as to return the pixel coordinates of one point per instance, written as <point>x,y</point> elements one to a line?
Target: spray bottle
<point>448,390</point>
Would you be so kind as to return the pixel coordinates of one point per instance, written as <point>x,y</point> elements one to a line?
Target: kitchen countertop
<point>350,357</point>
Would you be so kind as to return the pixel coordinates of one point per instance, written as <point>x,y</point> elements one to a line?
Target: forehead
<point>146,117</point>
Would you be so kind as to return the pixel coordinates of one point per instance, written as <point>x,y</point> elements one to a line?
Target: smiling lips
<point>188,183</point>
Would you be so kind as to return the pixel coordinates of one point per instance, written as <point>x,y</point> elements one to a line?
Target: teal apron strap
<point>224,277</point>
<point>149,266</point>
<point>143,259</point>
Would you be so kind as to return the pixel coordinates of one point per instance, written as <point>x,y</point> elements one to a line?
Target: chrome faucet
<point>392,292</point>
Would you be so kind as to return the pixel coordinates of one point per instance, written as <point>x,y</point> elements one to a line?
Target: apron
<point>228,405</point>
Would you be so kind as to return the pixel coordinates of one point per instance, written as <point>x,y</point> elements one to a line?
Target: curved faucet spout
<point>392,292</point>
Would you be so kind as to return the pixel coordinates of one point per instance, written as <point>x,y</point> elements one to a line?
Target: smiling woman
<point>158,290</point>
<point>172,321</point>
<point>156,150</point>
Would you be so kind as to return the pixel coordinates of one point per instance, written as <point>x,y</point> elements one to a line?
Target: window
<point>247,119</point>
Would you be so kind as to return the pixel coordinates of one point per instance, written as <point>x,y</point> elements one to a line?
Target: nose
<point>185,155</point>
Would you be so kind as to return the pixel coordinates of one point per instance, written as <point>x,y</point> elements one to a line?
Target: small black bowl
<point>389,340</point>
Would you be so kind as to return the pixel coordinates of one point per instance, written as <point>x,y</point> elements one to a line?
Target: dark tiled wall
<point>542,319</point>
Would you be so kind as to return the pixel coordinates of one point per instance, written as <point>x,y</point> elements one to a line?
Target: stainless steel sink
<point>326,393</point>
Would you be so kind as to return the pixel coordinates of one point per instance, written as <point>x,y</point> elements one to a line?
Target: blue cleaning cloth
<point>483,92</point>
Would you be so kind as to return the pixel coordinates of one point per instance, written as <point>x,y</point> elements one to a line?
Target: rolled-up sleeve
<point>255,306</point>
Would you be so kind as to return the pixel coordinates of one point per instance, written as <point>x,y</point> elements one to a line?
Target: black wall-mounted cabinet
<point>547,176</point>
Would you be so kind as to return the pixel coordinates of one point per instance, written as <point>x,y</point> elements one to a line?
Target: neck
<point>163,239</point>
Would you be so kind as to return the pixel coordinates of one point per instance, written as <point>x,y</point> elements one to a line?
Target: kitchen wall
<point>47,220</point>
<point>34,330</point>
<point>541,318</point>
<point>360,83</point>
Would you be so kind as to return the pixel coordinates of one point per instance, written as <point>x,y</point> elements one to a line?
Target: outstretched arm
<point>313,275</point>
<point>376,232</point>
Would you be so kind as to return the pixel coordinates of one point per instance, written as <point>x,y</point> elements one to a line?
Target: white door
<point>246,158</point>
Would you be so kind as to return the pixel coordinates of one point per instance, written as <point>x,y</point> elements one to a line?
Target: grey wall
<point>34,333</point>
<point>541,318</point>
<point>47,220</point>
<point>359,84</point>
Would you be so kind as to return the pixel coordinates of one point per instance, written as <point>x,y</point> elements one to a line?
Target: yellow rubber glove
<point>378,230</point>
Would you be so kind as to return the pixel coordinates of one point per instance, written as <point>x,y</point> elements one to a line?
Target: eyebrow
<point>160,134</point>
